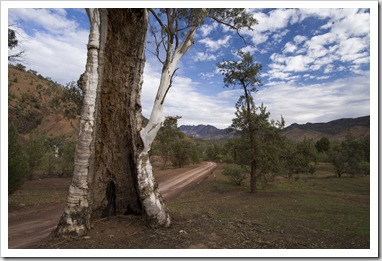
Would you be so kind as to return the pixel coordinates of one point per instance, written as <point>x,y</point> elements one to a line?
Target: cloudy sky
<point>316,61</point>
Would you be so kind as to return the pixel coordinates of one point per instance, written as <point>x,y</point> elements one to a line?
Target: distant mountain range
<point>207,132</point>
<point>334,130</point>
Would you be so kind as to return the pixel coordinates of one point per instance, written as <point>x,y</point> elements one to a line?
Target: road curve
<point>27,228</point>
<point>176,184</point>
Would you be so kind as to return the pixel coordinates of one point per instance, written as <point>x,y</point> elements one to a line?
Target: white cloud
<point>328,69</point>
<point>278,37</point>
<point>200,56</point>
<point>183,99</point>
<point>249,48</point>
<point>207,75</point>
<point>206,29</point>
<point>339,44</point>
<point>362,60</point>
<point>279,75</point>
<point>273,22</point>
<point>289,48</point>
<point>352,25</point>
<point>317,103</point>
<point>52,20</point>
<point>59,50</point>
<point>214,45</point>
<point>297,63</point>
<point>352,46</point>
<point>298,39</point>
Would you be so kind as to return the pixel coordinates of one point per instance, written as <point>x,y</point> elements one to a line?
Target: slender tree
<point>245,74</point>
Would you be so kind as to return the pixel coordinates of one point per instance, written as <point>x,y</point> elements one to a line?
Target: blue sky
<point>316,62</point>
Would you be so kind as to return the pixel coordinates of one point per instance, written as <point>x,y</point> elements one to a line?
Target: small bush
<point>236,173</point>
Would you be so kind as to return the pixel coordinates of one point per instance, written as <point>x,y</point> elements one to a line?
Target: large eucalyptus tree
<point>107,177</point>
<point>113,173</point>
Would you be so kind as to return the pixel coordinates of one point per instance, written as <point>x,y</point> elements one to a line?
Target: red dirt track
<point>29,226</point>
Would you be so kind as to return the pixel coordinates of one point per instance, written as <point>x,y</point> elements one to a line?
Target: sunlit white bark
<point>72,221</point>
<point>151,198</point>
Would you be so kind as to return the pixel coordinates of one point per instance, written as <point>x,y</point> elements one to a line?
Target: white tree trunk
<point>151,198</point>
<point>75,219</point>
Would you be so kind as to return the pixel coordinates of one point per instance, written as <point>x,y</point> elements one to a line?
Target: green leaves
<point>236,173</point>
<point>243,73</point>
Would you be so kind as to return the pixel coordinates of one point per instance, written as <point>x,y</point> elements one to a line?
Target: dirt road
<point>29,226</point>
<point>173,186</point>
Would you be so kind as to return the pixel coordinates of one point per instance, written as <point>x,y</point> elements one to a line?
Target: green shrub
<point>18,167</point>
<point>236,173</point>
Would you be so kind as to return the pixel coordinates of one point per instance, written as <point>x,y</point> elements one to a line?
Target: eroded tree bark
<point>112,173</point>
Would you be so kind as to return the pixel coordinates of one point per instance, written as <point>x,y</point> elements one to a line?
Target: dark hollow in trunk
<point>111,207</point>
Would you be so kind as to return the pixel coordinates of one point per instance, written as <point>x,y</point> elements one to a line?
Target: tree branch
<point>230,26</point>
<point>164,27</point>
<point>169,86</point>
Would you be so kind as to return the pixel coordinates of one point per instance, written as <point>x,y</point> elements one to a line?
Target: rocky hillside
<point>334,130</point>
<point>35,101</point>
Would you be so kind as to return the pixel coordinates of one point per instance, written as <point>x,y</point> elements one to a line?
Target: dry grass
<point>319,212</point>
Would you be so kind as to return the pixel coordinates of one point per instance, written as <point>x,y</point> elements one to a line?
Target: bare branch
<point>156,43</point>
<point>230,26</point>
<point>16,57</point>
<point>169,86</point>
<point>164,27</point>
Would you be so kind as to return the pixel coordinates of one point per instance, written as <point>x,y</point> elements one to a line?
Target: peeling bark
<point>151,198</point>
<point>105,179</point>
<point>76,217</point>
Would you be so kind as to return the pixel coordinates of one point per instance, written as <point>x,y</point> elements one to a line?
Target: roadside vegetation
<point>312,212</point>
<point>38,148</point>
